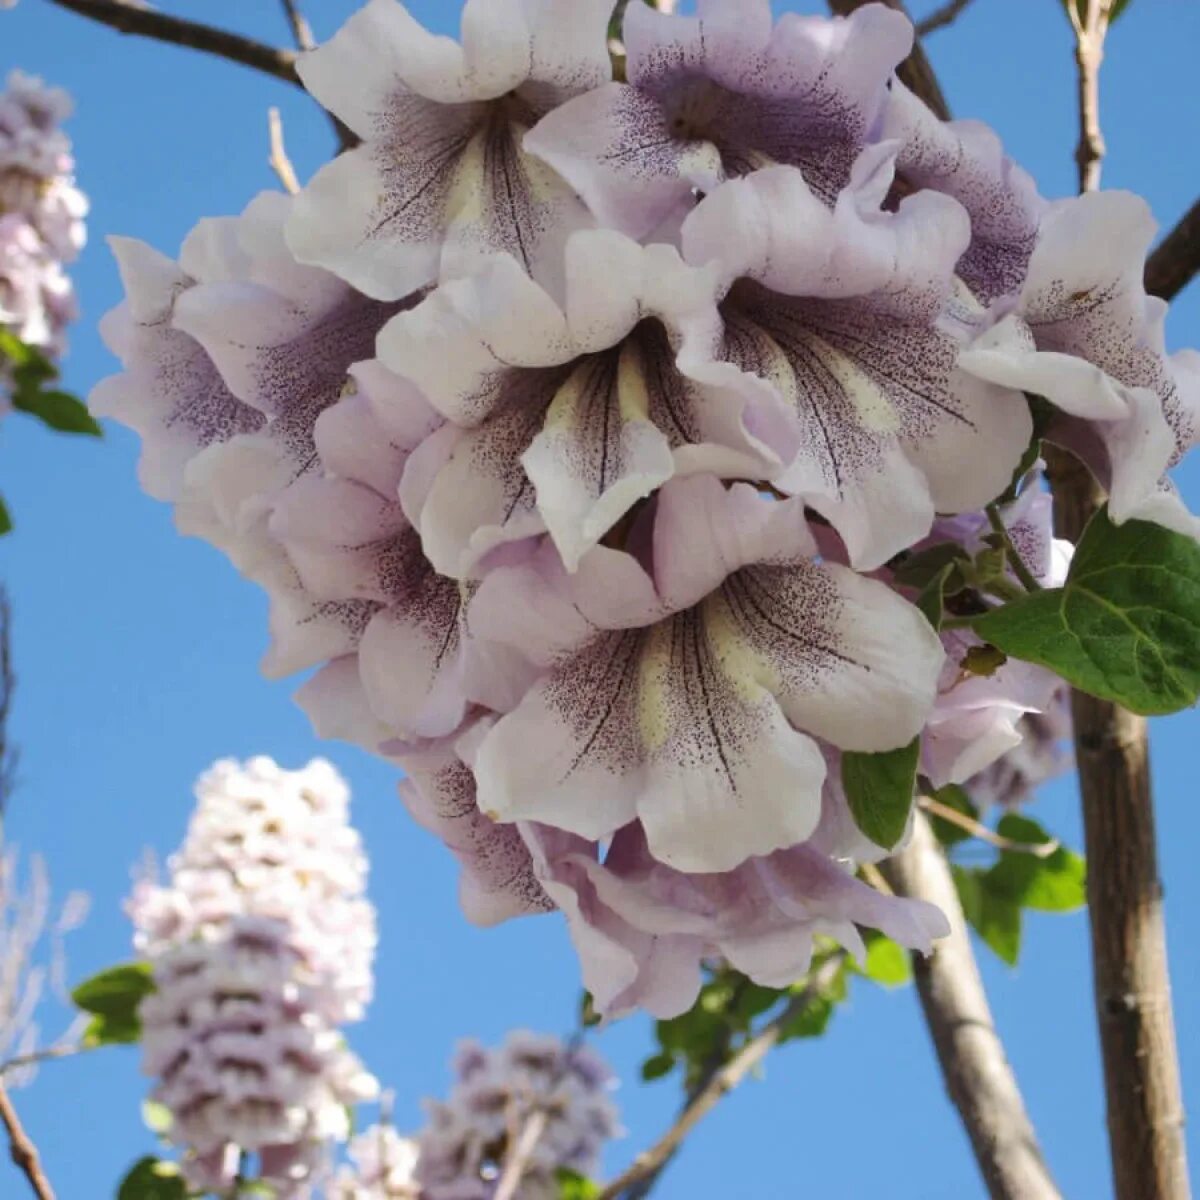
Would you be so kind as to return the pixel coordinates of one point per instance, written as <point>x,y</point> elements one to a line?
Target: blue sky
<point>137,653</point>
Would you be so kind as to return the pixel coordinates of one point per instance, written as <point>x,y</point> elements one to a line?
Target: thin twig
<point>981,831</point>
<point>941,17</point>
<point>24,1152</point>
<point>516,1162</point>
<point>1090,29</point>
<point>49,1054</point>
<point>1028,580</point>
<point>1176,259</point>
<point>976,1072</point>
<point>916,72</point>
<point>127,17</point>
<point>714,1061</point>
<point>725,1080</point>
<point>301,29</point>
<point>278,160</point>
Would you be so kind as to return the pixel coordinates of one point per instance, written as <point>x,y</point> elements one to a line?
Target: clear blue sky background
<point>137,654</point>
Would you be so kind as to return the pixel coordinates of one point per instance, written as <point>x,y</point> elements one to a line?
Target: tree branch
<point>976,1072</point>
<point>941,17</point>
<point>24,1152</point>
<point>723,1081</point>
<point>915,71</point>
<point>127,17</point>
<point>301,30</point>
<point>1176,259</point>
<point>1129,952</point>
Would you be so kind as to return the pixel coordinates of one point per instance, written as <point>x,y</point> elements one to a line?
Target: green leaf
<point>752,1001</point>
<point>955,797</point>
<point>113,997</point>
<point>1057,883</point>
<point>983,660</point>
<point>58,410</point>
<point>932,599</point>
<point>918,569</point>
<point>152,1179</point>
<point>887,963</point>
<point>573,1186</point>
<point>994,916</point>
<point>1126,624</point>
<point>5,520</point>
<point>879,789</point>
<point>587,1011</point>
<point>810,1021</point>
<point>657,1066</point>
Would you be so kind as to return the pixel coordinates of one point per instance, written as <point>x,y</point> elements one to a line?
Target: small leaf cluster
<point>30,374</point>
<point>994,897</point>
<point>732,1009</point>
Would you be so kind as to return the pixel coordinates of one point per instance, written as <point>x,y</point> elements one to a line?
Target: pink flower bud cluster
<point>261,944</point>
<point>575,425</point>
<point>462,1149</point>
<point>41,213</point>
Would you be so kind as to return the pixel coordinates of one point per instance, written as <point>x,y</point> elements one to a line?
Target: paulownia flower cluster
<point>576,427</point>
<point>41,213</point>
<point>471,1136</point>
<point>261,943</point>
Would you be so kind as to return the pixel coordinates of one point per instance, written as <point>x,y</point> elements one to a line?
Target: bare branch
<point>915,71</point>
<point>941,17</point>
<point>127,17</point>
<point>724,1081</point>
<point>278,160</point>
<point>301,30</point>
<point>976,1072</point>
<point>1176,259</point>
<point>24,1152</point>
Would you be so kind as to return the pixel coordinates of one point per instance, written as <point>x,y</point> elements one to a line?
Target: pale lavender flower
<point>720,95</point>
<point>685,690</point>
<point>441,176</point>
<point>261,944</point>
<point>979,718</point>
<point>1083,333</point>
<point>965,160</point>
<point>1041,754</point>
<point>855,317</point>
